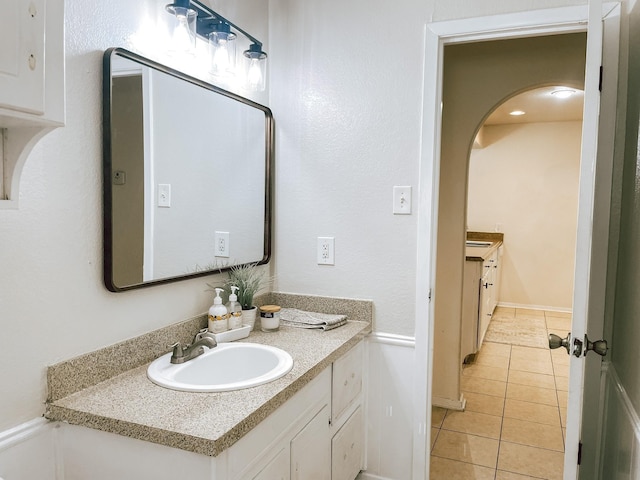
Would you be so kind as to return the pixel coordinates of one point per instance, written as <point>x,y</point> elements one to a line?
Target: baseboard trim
<point>449,404</point>
<point>370,476</point>
<point>534,307</point>
<point>392,339</point>
<point>23,432</point>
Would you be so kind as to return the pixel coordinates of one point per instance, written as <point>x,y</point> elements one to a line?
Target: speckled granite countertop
<point>480,254</point>
<point>207,423</point>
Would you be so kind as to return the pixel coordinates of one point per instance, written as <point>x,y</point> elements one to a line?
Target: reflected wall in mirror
<point>186,175</point>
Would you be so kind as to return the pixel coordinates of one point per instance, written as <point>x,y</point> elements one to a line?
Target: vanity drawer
<point>346,449</point>
<point>347,380</point>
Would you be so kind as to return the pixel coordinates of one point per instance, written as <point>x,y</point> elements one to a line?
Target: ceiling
<point>539,105</point>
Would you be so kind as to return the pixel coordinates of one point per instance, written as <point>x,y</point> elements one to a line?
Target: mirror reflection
<point>186,175</point>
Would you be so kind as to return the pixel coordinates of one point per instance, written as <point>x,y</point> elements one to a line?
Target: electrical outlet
<point>326,251</point>
<point>222,244</point>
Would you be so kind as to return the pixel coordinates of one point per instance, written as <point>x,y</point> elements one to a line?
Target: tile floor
<point>513,424</point>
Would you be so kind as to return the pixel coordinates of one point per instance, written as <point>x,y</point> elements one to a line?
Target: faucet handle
<point>177,350</point>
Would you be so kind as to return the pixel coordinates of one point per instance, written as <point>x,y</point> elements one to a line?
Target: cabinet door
<point>277,469</point>
<point>311,450</point>
<point>22,55</point>
<point>347,449</point>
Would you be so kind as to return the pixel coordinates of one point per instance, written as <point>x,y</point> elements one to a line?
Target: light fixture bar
<point>204,25</point>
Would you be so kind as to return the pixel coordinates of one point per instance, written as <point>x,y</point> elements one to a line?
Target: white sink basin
<point>229,366</point>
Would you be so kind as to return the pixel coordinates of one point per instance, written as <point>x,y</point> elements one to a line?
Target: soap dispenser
<point>234,309</point>
<point>218,315</point>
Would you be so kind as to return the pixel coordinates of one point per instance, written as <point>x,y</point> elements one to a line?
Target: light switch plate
<point>164,195</point>
<point>402,200</point>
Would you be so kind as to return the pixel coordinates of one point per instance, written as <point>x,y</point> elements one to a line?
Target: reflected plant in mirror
<point>187,175</point>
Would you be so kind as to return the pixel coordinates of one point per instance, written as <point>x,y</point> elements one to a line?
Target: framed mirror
<point>186,175</point>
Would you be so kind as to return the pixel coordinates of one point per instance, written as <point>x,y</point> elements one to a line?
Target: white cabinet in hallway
<point>481,294</point>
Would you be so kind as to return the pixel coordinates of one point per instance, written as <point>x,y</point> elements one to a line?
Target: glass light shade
<point>255,69</point>
<point>222,49</point>
<point>182,30</point>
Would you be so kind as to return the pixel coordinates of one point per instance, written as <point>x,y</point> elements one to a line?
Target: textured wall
<point>53,304</point>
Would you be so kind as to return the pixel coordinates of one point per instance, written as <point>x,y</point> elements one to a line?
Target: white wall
<point>53,304</point>
<point>526,180</point>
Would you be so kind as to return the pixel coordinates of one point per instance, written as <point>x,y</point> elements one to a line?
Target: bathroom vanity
<point>307,424</point>
<point>481,289</point>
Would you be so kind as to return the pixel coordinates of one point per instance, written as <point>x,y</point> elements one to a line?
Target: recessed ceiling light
<point>563,93</point>
<point>517,113</point>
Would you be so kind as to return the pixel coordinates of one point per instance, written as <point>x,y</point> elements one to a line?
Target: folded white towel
<point>299,318</point>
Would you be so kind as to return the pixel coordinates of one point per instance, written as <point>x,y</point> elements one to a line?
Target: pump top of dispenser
<point>233,297</point>
<point>218,300</point>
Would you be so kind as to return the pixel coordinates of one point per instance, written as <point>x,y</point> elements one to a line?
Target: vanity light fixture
<point>517,113</point>
<point>183,28</point>
<point>218,31</point>
<point>222,49</point>
<point>563,93</point>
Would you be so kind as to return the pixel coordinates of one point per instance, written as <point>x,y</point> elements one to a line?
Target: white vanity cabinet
<point>31,81</point>
<point>318,434</point>
<point>481,294</point>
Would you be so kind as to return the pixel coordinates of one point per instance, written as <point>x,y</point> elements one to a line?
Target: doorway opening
<point>523,182</point>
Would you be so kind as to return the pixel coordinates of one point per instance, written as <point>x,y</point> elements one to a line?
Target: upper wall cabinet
<point>31,83</point>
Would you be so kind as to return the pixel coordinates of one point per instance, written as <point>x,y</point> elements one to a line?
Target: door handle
<point>556,342</point>
<point>599,346</point>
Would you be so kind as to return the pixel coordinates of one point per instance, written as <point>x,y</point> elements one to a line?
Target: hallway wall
<point>525,179</point>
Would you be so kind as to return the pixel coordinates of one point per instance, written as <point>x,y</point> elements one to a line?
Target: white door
<point>593,204</point>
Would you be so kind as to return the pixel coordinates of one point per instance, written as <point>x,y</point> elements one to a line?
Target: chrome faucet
<point>202,339</point>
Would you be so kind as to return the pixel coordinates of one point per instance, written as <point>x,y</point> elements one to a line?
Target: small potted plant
<point>250,280</point>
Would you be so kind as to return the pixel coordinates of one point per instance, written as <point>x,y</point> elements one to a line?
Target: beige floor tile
<point>532,434</point>
<point>559,326</point>
<point>533,412</point>
<point>529,312</point>
<point>434,436</point>
<point>498,361</point>
<point>505,310</point>
<point>482,385</point>
<point>502,475</point>
<point>561,370</point>
<point>473,423</point>
<point>467,448</point>
<point>532,394</point>
<point>478,402</point>
<point>445,469</point>
<point>530,461</point>
<point>563,416</point>
<point>531,379</point>
<point>534,366</point>
<point>498,349</point>
<point>530,353</point>
<point>563,398</point>
<point>437,416</point>
<point>559,356</point>
<point>553,314</point>
<point>562,383</point>
<point>485,371</point>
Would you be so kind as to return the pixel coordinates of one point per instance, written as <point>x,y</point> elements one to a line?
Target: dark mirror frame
<point>107,167</point>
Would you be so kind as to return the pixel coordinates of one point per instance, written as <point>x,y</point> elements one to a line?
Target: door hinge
<point>429,295</point>
<point>600,80</point>
<point>579,452</point>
